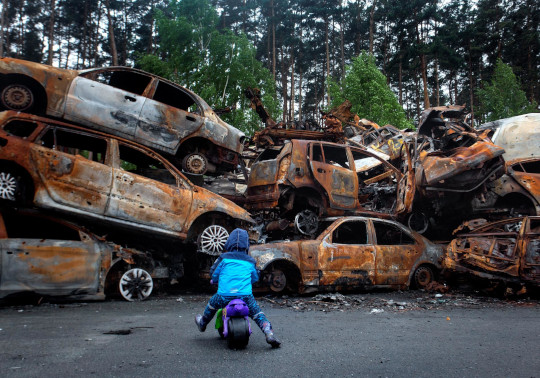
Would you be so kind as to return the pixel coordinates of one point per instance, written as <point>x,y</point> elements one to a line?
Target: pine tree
<point>503,97</point>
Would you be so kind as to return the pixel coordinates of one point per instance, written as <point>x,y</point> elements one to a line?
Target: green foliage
<point>365,87</point>
<point>215,63</point>
<point>503,97</point>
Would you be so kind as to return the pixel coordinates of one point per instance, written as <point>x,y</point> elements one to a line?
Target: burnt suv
<point>129,103</point>
<point>109,180</point>
<point>304,180</point>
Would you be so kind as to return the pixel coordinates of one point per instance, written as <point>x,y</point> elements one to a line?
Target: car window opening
<point>336,156</point>
<point>137,162</point>
<point>133,82</point>
<point>175,97</point>
<point>28,227</point>
<point>19,128</point>
<point>388,234</point>
<point>75,144</point>
<point>353,232</point>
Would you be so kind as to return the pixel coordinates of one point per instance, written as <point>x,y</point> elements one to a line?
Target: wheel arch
<point>207,219</point>
<point>36,87</point>
<point>289,267</point>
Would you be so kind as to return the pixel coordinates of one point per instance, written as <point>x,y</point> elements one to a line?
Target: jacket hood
<point>238,241</point>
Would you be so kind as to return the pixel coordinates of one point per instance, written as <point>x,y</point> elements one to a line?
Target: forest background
<point>304,55</point>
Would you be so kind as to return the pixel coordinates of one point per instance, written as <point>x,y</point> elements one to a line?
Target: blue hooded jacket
<point>234,270</point>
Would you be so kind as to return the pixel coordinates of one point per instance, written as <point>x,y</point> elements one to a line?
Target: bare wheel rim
<point>423,277</point>
<point>196,163</point>
<point>17,97</point>
<point>306,222</point>
<point>278,280</point>
<point>213,239</point>
<point>8,186</point>
<point>136,285</point>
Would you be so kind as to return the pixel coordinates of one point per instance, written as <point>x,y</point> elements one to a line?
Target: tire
<point>17,96</point>
<point>135,285</point>
<point>423,276</point>
<point>238,336</point>
<point>195,163</point>
<point>12,186</point>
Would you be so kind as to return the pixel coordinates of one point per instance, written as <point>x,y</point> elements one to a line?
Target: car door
<point>108,99</point>
<point>396,251</point>
<point>48,258</point>
<point>73,169</point>
<point>169,116</point>
<point>527,174</point>
<point>346,256</point>
<point>332,169</point>
<point>145,192</point>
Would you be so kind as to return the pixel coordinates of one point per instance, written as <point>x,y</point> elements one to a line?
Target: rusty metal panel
<point>439,166</point>
<point>50,267</point>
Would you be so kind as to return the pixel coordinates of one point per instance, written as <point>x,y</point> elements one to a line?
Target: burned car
<point>453,164</point>
<point>304,180</point>
<point>109,181</point>
<point>129,103</point>
<point>506,251</point>
<point>516,193</point>
<point>352,253</point>
<point>51,257</point>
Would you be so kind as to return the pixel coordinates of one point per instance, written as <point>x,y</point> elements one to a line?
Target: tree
<point>366,88</point>
<point>211,61</point>
<point>503,97</point>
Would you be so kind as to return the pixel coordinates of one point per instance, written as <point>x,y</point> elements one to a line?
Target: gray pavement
<point>158,338</point>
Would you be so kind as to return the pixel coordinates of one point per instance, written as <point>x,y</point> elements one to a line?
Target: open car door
<point>332,169</point>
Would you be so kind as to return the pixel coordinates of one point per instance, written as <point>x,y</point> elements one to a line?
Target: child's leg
<point>256,314</point>
<point>214,304</point>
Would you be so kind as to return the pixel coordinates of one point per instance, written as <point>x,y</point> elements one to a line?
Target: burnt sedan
<point>352,253</point>
<point>108,180</point>
<point>506,251</point>
<point>50,257</point>
<point>129,103</point>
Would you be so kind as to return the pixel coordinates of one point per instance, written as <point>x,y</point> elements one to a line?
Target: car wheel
<point>277,280</point>
<point>306,222</point>
<point>11,186</point>
<point>423,276</point>
<point>17,96</point>
<point>212,240</point>
<point>136,285</point>
<point>418,222</point>
<point>195,163</point>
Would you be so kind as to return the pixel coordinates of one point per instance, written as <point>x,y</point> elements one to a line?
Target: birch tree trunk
<point>2,27</point>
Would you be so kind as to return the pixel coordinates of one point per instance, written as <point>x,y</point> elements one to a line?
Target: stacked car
<point>111,184</point>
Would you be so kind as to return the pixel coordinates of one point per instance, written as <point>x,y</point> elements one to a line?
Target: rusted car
<point>352,253</point>
<point>304,180</point>
<point>129,103</point>
<point>51,257</point>
<point>517,192</point>
<point>506,251</point>
<point>109,180</point>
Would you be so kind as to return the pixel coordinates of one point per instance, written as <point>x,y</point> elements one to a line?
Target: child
<point>234,271</point>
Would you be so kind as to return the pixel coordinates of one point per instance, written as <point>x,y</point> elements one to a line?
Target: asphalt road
<point>158,338</point>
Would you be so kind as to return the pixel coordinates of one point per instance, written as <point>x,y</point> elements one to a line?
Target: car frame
<point>118,182</point>
<point>347,255</point>
<point>307,179</point>
<point>505,251</point>
<point>129,103</point>
<point>51,257</point>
